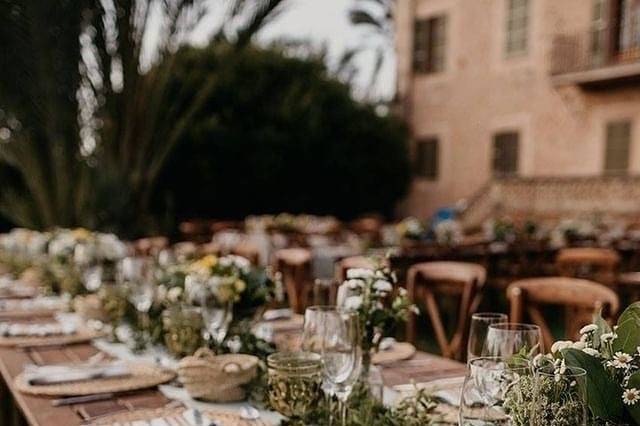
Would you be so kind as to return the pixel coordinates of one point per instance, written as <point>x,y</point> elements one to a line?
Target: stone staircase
<point>553,198</point>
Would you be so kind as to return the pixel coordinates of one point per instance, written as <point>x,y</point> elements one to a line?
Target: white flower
<point>631,396</point>
<point>607,337</point>
<point>382,286</point>
<point>620,360</point>
<point>361,273</point>
<point>353,303</point>
<point>588,329</point>
<point>239,262</point>
<point>591,351</point>
<point>579,345</point>
<point>353,284</point>
<point>234,344</point>
<point>560,345</point>
<point>174,294</point>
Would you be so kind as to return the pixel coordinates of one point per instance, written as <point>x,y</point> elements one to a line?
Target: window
<point>429,44</point>
<point>505,153</point>
<point>517,27</point>
<point>616,157</point>
<point>426,158</point>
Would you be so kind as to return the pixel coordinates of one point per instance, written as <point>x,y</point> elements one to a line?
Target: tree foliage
<point>278,133</point>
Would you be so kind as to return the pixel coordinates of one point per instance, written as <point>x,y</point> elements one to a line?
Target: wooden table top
<point>38,411</point>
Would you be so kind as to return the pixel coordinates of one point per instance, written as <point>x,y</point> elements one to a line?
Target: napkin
<point>276,314</point>
<point>8,329</point>
<point>196,418</point>
<point>33,304</point>
<point>57,374</point>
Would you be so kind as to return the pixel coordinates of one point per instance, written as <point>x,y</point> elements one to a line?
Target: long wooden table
<point>20,409</point>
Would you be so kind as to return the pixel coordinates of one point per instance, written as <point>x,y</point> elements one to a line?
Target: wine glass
<point>507,339</point>
<point>555,387</point>
<point>488,386</point>
<point>334,334</point>
<point>478,329</point>
<point>217,316</point>
<point>135,274</point>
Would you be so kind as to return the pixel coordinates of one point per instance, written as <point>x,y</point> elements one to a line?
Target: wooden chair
<point>295,266</point>
<point>352,262</point>
<point>581,298</point>
<point>426,281</point>
<point>150,246</point>
<point>596,264</point>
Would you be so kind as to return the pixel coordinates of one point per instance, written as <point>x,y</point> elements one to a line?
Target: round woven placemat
<point>398,352</point>
<point>81,335</point>
<point>223,418</point>
<point>142,376</point>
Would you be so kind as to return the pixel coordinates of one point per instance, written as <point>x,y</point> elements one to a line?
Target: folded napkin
<point>58,374</point>
<point>8,329</point>
<point>387,343</point>
<point>276,314</point>
<point>446,390</point>
<point>33,304</point>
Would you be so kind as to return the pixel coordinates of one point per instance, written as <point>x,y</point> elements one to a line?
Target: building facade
<point>531,88</point>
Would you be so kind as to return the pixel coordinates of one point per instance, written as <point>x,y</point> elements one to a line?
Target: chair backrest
<point>352,262</point>
<point>295,266</point>
<point>581,298</point>
<point>597,264</point>
<point>151,246</point>
<point>462,280</point>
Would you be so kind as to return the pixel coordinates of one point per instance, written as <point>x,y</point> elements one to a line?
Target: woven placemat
<point>142,376</point>
<point>399,351</point>
<point>223,418</point>
<point>81,335</point>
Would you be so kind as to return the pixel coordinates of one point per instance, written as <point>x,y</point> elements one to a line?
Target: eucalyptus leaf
<point>603,327</point>
<point>628,330</point>
<point>603,394</point>
<point>634,410</point>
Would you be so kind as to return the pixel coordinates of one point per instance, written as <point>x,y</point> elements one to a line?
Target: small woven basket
<point>217,378</point>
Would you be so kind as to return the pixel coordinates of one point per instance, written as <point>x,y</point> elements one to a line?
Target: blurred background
<point>134,116</point>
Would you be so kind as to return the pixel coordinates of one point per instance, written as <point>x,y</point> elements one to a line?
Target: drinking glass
<point>334,334</point>
<point>182,325</point>
<point>217,316</point>
<point>136,276</point>
<point>293,383</point>
<point>507,339</point>
<point>559,396</point>
<point>478,329</point>
<point>489,383</point>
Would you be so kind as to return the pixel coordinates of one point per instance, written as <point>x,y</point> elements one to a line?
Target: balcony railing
<point>596,56</point>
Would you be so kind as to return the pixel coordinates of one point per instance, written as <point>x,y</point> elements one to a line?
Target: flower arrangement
<point>372,294</point>
<point>448,232</point>
<point>411,228</point>
<point>499,230</point>
<point>611,359</point>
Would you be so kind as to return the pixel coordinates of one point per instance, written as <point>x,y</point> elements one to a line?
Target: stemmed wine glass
<point>507,339</point>
<point>478,329</point>
<point>335,335</point>
<point>136,276</point>
<point>217,316</point>
<point>489,384</point>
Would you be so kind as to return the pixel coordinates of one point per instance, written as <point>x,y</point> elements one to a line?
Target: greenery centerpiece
<point>380,305</point>
<point>611,359</point>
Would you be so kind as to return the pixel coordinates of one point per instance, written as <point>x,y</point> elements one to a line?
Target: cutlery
<point>82,399</point>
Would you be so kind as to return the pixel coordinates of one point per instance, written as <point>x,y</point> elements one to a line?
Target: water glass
<point>294,383</point>
<point>217,316</point>
<point>508,339</point>
<point>559,396</point>
<point>489,383</point>
<point>182,325</point>
<point>478,329</point>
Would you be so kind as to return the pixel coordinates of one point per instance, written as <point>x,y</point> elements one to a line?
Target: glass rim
<point>482,315</point>
<point>278,361</point>
<point>524,363</point>
<point>570,372</point>
<point>330,308</point>
<point>514,326</point>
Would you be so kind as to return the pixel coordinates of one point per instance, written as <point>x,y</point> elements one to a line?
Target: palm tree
<point>87,124</point>
<point>376,19</point>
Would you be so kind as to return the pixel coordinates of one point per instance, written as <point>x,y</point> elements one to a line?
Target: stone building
<point>528,88</point>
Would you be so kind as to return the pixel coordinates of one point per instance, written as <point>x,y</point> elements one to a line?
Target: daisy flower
<point>631,396</point>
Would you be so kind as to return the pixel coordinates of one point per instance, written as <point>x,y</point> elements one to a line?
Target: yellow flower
<point>240,286</point>
<point>204,264</point>
<point>225,294</point>
<point>81,234</point>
